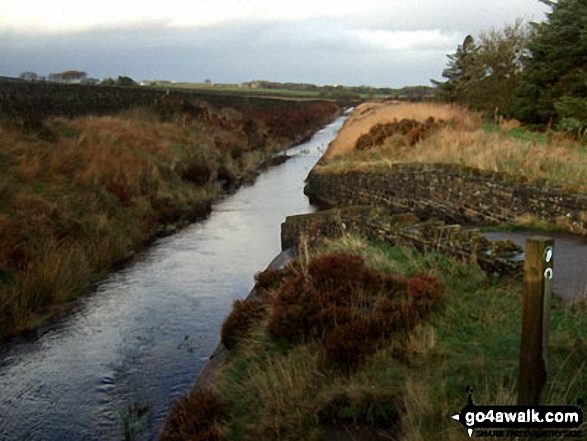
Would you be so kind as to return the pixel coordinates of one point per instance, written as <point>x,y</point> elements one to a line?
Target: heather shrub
<point>169,108</point>
<point>348,307</point>
<point>424,290</point>
<point>337,275</point>
<point>244,315</point>
<point>293,310</point>
<point>270,278</point>
<point>408,132</point>
<point>197,172</point>
<point>196,417</point>
<point>287,123</point>
<point>347,345</point>
<point>394,316</point>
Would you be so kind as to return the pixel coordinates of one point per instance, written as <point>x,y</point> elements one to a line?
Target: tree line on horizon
<point>535,72</point>
<point>77,76</point>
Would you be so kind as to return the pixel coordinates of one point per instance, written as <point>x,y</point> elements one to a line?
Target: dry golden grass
<point>463,141</point>
<point>74,202</point>
<point>102,151</point>
<point>367,115</point>
<point>49,279</point>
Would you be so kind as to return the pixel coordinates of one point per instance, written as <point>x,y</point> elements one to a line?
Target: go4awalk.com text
<point>518,421</point>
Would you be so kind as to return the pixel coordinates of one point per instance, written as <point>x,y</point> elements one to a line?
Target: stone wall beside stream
<point>378,224</point>
<point>453,193</point>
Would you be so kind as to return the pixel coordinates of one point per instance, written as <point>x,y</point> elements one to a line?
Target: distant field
<point>233,88</point>
<point>336,93</point>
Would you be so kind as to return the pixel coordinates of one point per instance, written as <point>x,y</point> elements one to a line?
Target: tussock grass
<point>502,147</point>
<point>277,393</point>
<point>75,204</point>
<point>78,195</point>
<point>367,115</point>
<point>412,384</point>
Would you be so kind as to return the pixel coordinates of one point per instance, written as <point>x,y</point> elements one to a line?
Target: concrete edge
<point>211,371</point>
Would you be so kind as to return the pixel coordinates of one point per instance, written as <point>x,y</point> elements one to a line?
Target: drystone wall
<point>378,224</point>
<point>452,193</point>
<point>26,99</point>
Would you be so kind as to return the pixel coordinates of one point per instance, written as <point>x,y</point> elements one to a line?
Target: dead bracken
<point>408,132</point>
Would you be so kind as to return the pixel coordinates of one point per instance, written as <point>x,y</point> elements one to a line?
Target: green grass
<point>277,93</point>
<point>473,339</point>
<point>235,89</point>
<point>522,134</point>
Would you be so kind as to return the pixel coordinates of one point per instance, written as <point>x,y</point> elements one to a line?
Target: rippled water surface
<point>129,350</point>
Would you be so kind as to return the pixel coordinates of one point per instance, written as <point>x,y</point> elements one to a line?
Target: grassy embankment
<point>321,357</point>
<point>78,195</point>
<point>461,138</point>
<point>404,384</point>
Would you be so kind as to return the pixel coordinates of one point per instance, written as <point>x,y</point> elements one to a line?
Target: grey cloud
<point>316,50</point>
<point>464,16</point>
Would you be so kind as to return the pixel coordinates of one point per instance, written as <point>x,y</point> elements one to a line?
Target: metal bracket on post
<point>537,293</point>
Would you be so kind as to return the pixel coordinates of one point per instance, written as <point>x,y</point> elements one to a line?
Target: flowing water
<point>113,367</point>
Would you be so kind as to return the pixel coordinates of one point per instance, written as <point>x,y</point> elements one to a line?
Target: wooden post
<point>537,291</point>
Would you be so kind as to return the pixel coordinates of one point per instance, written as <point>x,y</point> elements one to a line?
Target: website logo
<point>543,421</point>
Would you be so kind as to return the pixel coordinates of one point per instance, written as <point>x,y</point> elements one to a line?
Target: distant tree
<point>108,82</point>
<point>120,81</point>
<point>485,75</point>
<point>27,75</point>
<point>502,55</point>
<point>68,75</point>
<point>555,78</point>
<point>125,81</point>
<point>71,75</point>
<point>463,73</point>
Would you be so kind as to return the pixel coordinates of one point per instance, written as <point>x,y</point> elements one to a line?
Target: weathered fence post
<point>537,291</point>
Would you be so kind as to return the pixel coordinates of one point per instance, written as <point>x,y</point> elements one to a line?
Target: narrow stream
<point>129,350</point>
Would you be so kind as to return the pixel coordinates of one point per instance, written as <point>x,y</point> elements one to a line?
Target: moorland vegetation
<point>79,194</point>
<point>379,135</point>
<point>358,340</point>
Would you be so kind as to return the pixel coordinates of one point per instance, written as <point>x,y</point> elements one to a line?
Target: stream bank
<point>80,195</point>
<point>126,353</point>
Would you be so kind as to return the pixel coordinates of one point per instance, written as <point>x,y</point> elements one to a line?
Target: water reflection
<point>138,343</point>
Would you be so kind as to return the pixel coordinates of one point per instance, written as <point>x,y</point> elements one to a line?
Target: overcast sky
<point>391,43</point>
